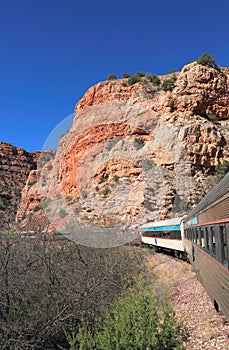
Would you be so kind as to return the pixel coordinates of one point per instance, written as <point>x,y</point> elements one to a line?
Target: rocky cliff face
<point>15,166</point>
<point>135,152</point>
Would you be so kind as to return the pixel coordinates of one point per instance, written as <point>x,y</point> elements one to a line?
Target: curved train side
<point>204,239</point>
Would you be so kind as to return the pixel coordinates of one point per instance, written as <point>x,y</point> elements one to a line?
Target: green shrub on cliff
<point>111,76</point>
<point>207,60</point>
<point>221,170</point>
<point>169,84</point>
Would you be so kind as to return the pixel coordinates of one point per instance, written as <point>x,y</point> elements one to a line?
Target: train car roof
<point>220,190</point>
<point>163,223</point>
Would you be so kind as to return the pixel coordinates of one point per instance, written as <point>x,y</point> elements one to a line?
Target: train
<point>201,237</point>
<point>165,235</point>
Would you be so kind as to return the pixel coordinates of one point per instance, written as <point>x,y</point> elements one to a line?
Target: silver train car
<point>164,235</point>
<point>206,241</point>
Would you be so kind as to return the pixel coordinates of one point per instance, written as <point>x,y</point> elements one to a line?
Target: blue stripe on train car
<point>161,228</point>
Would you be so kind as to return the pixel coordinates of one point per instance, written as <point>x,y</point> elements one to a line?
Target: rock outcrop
<point>135,152</point>
<point>15,167</point>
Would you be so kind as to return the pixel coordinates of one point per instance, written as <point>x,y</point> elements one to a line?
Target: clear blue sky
<point>52,51</point>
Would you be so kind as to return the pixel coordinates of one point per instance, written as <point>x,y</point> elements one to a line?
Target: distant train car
<point>206,240</point>
<point>164,235</point>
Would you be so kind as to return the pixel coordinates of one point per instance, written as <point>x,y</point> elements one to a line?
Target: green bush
<point>135,321</point>
<point>37,208</point>
<point>62,213</point>
<point>126,75</point>
<point>221,170</point>
<point>105,191</point>
<point>45,202</point>
<point>116,178</point>
<point>169,84</point>
<point>140,74</point>
<point>148,164</point>
<point>138,143</point>
<point>211,117</point>
<point>154,79</point>
<point>207,60</point>
<point>134,79</point>
<point>113,142</point>
<point>111,76</point>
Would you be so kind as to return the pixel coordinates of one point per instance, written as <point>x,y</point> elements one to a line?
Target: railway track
<point>208,330</point>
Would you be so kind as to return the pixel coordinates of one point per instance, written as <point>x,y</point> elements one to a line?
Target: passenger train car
<point>204,236</point>
<point>206,241</point>
<point>164,235</point>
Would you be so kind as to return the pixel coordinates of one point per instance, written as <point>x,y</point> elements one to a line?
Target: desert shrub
<point>148,164</point>
<point>47,285</point>
<point>45,202</point>
<point>134,321</point>
<point>169,84</point>
<point>111,76</point>
<point>134,79</point>
<point>113,142</point>
<point>221,170</point>
<point>62,213</point>
<point>197,199</point>
<point>124,84</point>
<point>138,143</point>
<point>116,178</point>
<point>37,208</point>
<point>154,79</point>
<point>207,60</point>
<point>140,74</point>
<point>211,117</point>
<point>101,180</point>
<point>126,75</point>
<point>106,191</point>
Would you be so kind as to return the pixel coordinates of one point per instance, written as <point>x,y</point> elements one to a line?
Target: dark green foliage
<point>138,143</point>
<point>126,75</point>
<point>207,60</point>
<point>211,117</point>
<point>140,74</point>
<point>169,84</point>
<point>116,178</point>
<point>111,76</point>
<point>101,180</point>
<point>62,213</point>
<point>124,84</point>
<point>221,170</point>
<point>134,321</point>
<point>197,199</point>
<point>154,79</point>
<point>134,79</point>
<point>105,191</point>
<point>37,208</point>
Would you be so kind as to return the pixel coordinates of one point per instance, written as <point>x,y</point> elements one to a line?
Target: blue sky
<point>52,51</point>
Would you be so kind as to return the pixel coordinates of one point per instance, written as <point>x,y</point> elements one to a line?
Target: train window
<point>201,237</point>
<point>195,236</point>
<point>223,239</point>
<point>213,247</point>
<point>206,239</point>
<point>198,236</point>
